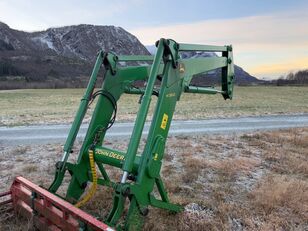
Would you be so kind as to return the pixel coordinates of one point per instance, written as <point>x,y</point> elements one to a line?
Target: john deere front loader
<point>167,76</point>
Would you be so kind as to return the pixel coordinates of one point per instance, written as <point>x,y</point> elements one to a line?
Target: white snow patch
<point>6,39</point>
<point>195,211</point>
<point>44,39</point>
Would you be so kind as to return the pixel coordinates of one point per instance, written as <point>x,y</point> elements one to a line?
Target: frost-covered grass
<point>253,181</point>
<point>22,107</point>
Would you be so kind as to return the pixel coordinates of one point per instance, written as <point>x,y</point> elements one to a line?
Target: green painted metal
<point>202,90</point>
<point>196,47</point>
<point>114,158</point>
<point>135,58</point>
<point>141,172</point>
<point>143,111</point>
<point>76,124</point>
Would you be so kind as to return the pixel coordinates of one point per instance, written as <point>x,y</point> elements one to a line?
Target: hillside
<point>58,57</point>
<point>64,56</point>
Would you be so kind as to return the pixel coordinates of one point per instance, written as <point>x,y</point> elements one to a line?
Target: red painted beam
<point>50,211</point>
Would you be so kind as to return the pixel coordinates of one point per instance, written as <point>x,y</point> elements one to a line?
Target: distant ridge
<point>63,56</point>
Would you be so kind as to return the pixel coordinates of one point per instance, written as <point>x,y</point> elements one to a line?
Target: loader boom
<point>167,77</point>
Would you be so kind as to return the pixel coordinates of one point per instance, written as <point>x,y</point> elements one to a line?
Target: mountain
<point>84,41</point>
<point>213,77</point>
<point>64,56</point>
<point>58,57</point>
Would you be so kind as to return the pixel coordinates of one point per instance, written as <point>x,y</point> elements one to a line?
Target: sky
<point>270,37</point>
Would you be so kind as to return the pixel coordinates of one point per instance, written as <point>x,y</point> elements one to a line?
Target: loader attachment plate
<point>46,210</point>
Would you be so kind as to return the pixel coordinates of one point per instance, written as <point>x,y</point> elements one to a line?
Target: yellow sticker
<point>172,94</point>
<point>155,157</point>
<point>164,121</point>
<point>110,154</point>
<point>181,68</point>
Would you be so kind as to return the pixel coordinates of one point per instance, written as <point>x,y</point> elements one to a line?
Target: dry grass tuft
<point>20,150</point>
<point>231,167</point>
<point>276,193</point>
<point>30,168</point>
<point>14,223</point>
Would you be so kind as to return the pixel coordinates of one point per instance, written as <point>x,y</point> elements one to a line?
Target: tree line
<point>297,78</point>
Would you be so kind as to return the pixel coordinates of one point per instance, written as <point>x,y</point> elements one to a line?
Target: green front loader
<point>166,76</point>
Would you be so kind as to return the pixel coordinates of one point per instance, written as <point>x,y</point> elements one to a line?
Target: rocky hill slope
<point>58,57</point>
<point>64,56</point>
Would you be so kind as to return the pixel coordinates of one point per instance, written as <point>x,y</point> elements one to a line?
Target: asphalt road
<point>42,134</point>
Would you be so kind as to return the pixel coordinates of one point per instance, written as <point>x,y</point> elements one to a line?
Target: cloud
<point>280,36</point>
<point>249,30</point>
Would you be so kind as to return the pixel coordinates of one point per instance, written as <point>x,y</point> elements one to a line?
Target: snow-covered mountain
<point>62,57</point>
<point>83,41</point>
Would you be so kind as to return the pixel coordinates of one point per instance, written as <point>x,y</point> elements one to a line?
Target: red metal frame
<point>7,201</point>
<point>48,211</point>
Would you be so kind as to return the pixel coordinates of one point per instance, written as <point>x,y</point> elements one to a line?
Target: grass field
<point>242,182</point>
<point>22,107</point>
